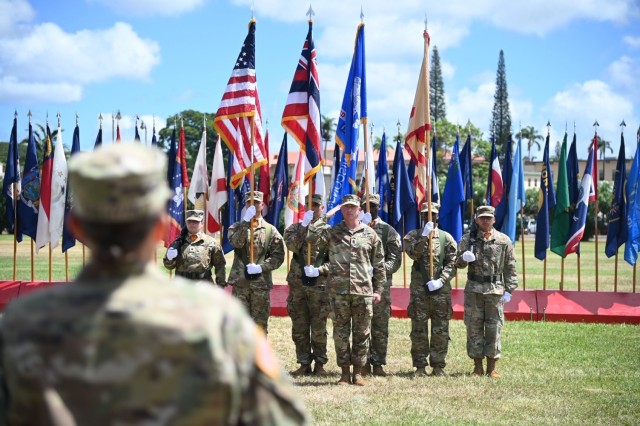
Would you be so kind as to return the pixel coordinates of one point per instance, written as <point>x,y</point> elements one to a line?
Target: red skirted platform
<point>531,305</point>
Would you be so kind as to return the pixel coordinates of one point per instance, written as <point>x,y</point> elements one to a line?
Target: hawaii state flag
<point>44,212</point>
<point>579,218</point>
<point>495,186</point>
<point>58,191</point>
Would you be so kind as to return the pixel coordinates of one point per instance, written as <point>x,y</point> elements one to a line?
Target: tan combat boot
<point>344,377</point>
<point>420,372</point>
<point>366,370</point>
<point>438,372</point>
<point>303,370</point>
<point>319,370</point>
<point>479,369</point>
<point>379,371</point>
<point>357,376</point>
<point>491,368</point>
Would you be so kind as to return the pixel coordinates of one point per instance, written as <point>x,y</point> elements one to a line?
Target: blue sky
<point>566,61</point>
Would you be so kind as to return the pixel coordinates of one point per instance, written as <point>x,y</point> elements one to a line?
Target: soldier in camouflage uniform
<point>124,344</point>
<point>308,303</point>
<point>252,282</point>
<point>355,268</point>
<point>491,279</point>
<point>430,297</point>
<point>194,253</point>
<point>382,311</point>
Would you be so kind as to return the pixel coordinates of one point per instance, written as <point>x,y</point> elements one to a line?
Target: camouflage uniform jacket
<point>494,261</point>
<point>199,255</point>
<point>417,248</point>
<point>352,252</point>
<point>392,246</point>
<point>268,254</point>
<point>295,237</point>
<point>128,345</point>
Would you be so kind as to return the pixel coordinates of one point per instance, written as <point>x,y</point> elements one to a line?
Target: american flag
<point>301,116</point>
<point>239,104</point>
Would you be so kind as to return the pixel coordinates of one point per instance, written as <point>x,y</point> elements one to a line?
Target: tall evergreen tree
<point>501,117</point>
<point>436,89</point>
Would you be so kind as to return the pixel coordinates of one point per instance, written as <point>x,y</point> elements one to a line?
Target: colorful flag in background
<point>632,247</point>
<point>218,195</point>
<point>617,228</point>
<point>382,180</point>
<point>579,218</point>
<point>136,137</point>
<point>297,196</point>
<point>517,195</point>
<point>12,183</point>
<point>404,211</point>
<point>182,159</point>
<point>419,124</point>
<point>352,114</point>
<point>561,214</point>
<point>30,194</point>
<point>507,173</point>
<point>546,201</point>
<point>199,178</point>
<point>44,211</point>
<point>58,191</point>
<point>68,240</point>
<point>279,190</point>
<point>154,139</point>
<point>495,186</point>
<point>433,171</point>
<point>573,180</point>
<point>118,138</point>
<point>465,170</point>
<point>239,108</point>
<point>264,180</point>
<point>175,206</point>
<point>231,212</point>
<point>98,141</point>
<point>451,209</point>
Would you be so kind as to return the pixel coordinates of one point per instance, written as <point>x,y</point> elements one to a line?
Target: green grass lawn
<point>534,267</point>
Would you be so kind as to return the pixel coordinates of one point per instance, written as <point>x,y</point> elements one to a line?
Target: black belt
<point>484,278</point>
<point>195,275</point>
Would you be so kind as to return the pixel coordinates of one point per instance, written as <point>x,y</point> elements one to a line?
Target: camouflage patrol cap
<point>485,211</point>
<point>351,199</point>
<point>317,199</point>
<point>195,215</point>
<point>373,199</point>
<point>435,208</point>
<point>257,196</point>
<point>119,183</point>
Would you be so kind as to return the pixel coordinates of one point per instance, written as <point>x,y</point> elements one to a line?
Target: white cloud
<point>625,73</point>
<point>13,14</point>
<point>48,56</point>
<point>151,7</point>
<point>26,93</point>
<point>633,42</point>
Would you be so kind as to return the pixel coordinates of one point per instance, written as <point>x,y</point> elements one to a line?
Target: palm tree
<point>602,148</point>
<point>532,136</point>
<point>327,129</point>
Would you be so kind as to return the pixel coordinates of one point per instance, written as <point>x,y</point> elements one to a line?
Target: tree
<point>327,130</point>
<point>436,89</point>
<point>603,146</point>
<point>501,117</point>
<point>531,135</point>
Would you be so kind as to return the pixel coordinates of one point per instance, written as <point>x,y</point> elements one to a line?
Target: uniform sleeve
<point>219,263</point>
<point>238,234</point>
<point>449,263</point>
<point>414,245</point>
<point>295,237</point>
<point>176,244</point>
<point>318,233</point>
<point>275,251</point>
<point>377,261</point>
<point>392,252</point>
<point>464,246</point>
<point>510,275</point>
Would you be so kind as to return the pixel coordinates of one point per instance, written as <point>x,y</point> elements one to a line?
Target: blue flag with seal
<point>352,114</point>
<point>617,228</point>
<point>280,188</point>
<point>382,180</point>
<point>404,211</point>
<point>465,170</point>
<point>632,246</point>
<point>516,196</point>
<point>12,182</point>
<point>68,240</point>
<point>507,174</point>
<point>453,196</point>
<point>546,201</point>
<point>30,195</point>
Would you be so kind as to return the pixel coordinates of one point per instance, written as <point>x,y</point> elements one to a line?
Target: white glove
<point>249,214</point>
<point>366,218</point>
<point>252,268</point>
<point>370,270</point>
<point>311,271</point>
<point>468,256</point>
<point>172,253</point>
<point>308,217</point>
<point>433,285</point>
<point>428,227</point>
<point>506,297</point>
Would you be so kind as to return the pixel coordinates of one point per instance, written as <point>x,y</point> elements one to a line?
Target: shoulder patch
<point>266,360</point>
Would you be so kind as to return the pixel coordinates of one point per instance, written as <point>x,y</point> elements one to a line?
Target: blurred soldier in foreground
<point>355,268</point>
<point>251,281</point>
<point>490,281</point>
<point>382,311</point>
<point>430,297</point>
<point>308,303</point>
<point>194,253</point>
<point>124,344</point>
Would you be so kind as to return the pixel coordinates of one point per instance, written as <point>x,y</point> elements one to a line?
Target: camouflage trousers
<point>352,316</point>
<point>484,317</point>
<point>380,329</point>
<point>257,302</point>
<point>308,309</point>
<point>438,309</point>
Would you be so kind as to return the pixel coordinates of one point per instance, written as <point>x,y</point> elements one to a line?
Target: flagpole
<point>524,274</point>
<point>578,257</point>
<point>66,265</point>
<point>596,178</point>
<point>615,274</point>
<point>562,274</point>
<point>404,259</point>
<point>50,252</point>
<point>14,190</point>
<point>251,184</point>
